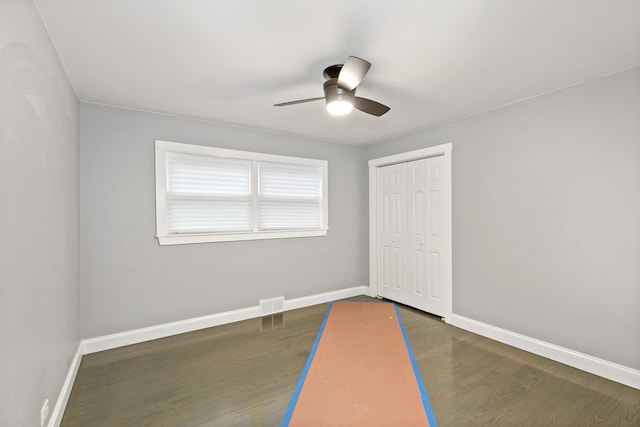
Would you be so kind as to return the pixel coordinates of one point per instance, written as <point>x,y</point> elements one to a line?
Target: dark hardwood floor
<point>244,374</point>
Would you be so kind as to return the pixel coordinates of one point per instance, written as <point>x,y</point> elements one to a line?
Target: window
<point>206,194</point>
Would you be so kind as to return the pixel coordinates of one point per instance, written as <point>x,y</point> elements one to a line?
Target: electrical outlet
<point>44,413</point>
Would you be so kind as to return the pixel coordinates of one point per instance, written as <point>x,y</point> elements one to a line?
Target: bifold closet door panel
<point>392,236</point>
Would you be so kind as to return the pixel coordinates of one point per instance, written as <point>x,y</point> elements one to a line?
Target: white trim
<point>61,403</point>
<point>135,336</point>
<point>120,339</point>
<point>234,237</point>
<point>593,365</point>
<point>302,302</point>
<point>444,150</point>
<point>205,150</point>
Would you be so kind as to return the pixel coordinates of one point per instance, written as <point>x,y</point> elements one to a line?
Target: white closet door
<point>392,231</point>
<point>434,236</point>
<point>417,223</point>
<point>410,236</point>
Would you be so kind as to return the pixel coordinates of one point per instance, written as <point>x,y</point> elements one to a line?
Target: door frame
<point>443,150</point>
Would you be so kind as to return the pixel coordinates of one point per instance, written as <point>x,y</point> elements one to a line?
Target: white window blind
<point>207,194</point>
<point>290,196</point>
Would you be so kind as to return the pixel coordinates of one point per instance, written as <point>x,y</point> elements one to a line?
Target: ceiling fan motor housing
<point>332,71</point>
<point>333,92</point>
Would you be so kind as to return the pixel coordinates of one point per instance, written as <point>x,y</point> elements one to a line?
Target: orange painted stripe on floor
<point>361,373</point>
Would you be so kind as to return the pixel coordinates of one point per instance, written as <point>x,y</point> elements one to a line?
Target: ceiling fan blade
<point>299,101</point>
<point>352,72</point>
<point>369,106</point>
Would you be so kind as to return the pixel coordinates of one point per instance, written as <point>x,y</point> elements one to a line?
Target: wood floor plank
<point>244,374</point>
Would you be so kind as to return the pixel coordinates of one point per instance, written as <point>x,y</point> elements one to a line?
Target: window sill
<point>183,239</point>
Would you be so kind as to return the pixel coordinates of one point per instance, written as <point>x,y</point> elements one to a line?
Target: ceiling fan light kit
<point>339,108</point>
<point>340,89</point>
<point>339,101</point>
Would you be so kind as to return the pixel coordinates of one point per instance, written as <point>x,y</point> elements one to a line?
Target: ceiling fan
<point>340,89</point>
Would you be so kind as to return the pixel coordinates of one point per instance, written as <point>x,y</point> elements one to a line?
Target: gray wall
<point>39,218</point>
<point>130,282</point>
<point>546,216</point>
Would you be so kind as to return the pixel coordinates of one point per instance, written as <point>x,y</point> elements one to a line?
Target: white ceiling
<point>433,61</point>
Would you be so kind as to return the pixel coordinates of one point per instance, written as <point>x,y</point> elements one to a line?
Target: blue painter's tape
<point>305,371</point>
<point>416,370</point>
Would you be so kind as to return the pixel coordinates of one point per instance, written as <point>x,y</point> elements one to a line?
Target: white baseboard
<point>593,365</point>
<point>107,342</point>
<point>325,297</point>
<point>61,403</point>
<point>135,336</point>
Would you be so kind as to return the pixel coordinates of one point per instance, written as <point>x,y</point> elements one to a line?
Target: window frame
<point>165,238</point>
